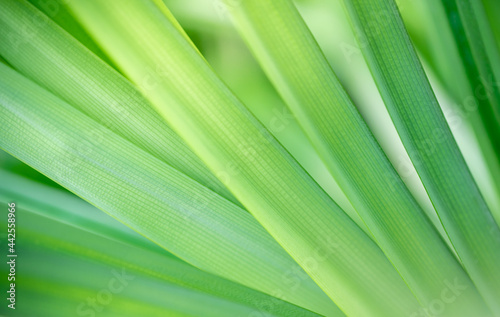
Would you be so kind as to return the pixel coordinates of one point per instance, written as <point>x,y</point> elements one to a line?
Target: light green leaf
<point>442,52</point>
<point>47,54</point>
<point>429,142</point>
<point>335,252</point>
<point>59,205</point>
<point>285,47</point>
<point>46,246</point>
<point>147,195</point>
<point>60,14</point>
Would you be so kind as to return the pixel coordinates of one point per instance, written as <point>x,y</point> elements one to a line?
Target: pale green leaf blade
<point>237,148</point>
<point>429,142</point>
<point>443,54</point>
<point>288,52</point>
<point>147,195</point>
<point>61,206</point>
<point>47,54</point>
<point>46,243</point>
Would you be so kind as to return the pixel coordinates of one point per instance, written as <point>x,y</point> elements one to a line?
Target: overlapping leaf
<point>429,142</point>
<point>146,194</point>
<point>53,249</point>
<point>260,173</point>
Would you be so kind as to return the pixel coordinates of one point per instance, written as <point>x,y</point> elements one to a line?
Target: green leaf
<point>60,14</point>
<point>492,8</point>
<point>146,194</point>
<point>288,52</point>
<point>59,205</point>
<point>481,60</point>
<point>50,56</point>
<point>344,261</point>
<point>47,246</point>
<point>442,52</point>
<point>478,63</point>
<point>429,142</point>
<point>50,287</point>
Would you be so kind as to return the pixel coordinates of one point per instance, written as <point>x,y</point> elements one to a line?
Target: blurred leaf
<point>442,52</point>
<point>286,49</point>
<point>55,60</point>
<point>60,14</point>
<point>50,252</point>
<point>479,54</point>
<point>147,195</point>
<point>430,144</point>
<point>62,206</point>
<point>492,8</point>
<point>261,174</point>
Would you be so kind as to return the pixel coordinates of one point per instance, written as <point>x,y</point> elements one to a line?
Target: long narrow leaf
<point>286,49</point>
<point>429,142</point>
<point>45,243</point>
<point>60,14</point>
<point>442,53</point>
<point>58,204</point>
<point>47,54</point>
<point>144,42</point>
<point>51,288</point>
<point>479,65</point>
<point>147,195</point>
